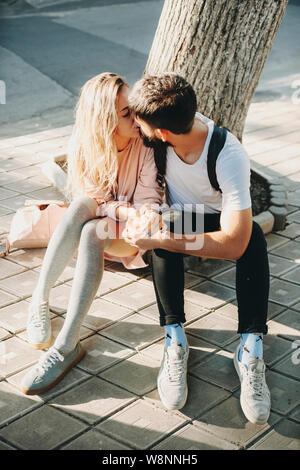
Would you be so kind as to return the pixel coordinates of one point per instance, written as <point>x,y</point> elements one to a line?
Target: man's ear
<point>161,134</point>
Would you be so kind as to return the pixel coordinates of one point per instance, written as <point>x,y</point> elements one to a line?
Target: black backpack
<point>217,142</point>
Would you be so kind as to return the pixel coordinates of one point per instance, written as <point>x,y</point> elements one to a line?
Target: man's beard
<point>152,142</point>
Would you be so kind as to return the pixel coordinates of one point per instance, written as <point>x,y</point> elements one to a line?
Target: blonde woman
<point>109,172</point>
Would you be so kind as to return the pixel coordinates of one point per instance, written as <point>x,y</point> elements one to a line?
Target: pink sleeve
<point>147,190</point>
<point>107,207</point>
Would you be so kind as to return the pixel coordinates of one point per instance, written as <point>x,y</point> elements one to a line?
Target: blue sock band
<point>251,347</point>
<point>175,335</point>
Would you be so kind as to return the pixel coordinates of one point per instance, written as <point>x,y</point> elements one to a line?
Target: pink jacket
<point>136,184</point>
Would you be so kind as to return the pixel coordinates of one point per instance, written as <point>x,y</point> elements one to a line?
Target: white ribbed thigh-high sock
<point>88,275</point>
<point>63,244</point>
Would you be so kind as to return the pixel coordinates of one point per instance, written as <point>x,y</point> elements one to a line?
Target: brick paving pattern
<point>110,400</point>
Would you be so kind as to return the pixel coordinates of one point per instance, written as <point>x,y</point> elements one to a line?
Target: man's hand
<point>145,231</point>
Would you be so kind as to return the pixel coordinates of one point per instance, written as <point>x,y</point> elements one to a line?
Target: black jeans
<point>252,278</point>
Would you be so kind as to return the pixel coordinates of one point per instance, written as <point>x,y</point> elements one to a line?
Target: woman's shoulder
<point>138,146</point>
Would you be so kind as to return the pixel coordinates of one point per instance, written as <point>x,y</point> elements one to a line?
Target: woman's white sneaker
<point>255,395</point>
<point>39,332</point>
<point>172,377</point>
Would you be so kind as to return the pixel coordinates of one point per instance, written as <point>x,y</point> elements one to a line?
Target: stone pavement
<point>110,400</point>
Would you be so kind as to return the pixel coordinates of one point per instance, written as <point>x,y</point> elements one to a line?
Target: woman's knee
<point>83,208</point>
<point>95,230</point>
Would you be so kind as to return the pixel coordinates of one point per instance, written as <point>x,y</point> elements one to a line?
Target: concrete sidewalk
<point>110,400</point>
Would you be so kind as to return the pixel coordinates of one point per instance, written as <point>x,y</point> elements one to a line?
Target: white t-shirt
<point>189,184</point>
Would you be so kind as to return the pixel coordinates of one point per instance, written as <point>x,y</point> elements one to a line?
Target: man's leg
<point>168,278</point>
<point>252,288</point>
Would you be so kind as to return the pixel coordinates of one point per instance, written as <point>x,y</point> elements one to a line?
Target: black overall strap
<point>217,143</point>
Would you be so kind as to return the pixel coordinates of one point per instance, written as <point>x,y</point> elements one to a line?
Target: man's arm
<point>228,243</point>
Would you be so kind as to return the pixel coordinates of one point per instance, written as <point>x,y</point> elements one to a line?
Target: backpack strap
<point>217,143</point>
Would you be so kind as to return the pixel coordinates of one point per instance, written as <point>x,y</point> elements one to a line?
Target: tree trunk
<point>220,47</point>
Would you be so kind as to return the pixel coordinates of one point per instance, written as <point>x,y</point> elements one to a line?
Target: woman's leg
<point>88,275</point>
<point>63,244</point>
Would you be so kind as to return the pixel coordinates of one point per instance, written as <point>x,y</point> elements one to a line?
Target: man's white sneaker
<point>255,395</point>
<point>172,377</point>
<point>38,325</point>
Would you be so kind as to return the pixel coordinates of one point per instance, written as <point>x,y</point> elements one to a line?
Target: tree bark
<point>220,47</point>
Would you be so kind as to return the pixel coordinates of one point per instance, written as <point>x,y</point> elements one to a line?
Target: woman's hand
<point>146,230</point>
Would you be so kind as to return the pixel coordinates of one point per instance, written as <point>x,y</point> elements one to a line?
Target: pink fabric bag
<point>33,225</point>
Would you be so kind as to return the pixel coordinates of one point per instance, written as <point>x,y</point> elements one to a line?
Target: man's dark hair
<point>165,101</point>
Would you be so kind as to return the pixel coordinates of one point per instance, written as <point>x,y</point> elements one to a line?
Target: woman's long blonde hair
<point>92,151</point>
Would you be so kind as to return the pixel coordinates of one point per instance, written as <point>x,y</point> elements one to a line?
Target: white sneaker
<point>255,395</point>
<point>38,324</point>
<point>172,377</point>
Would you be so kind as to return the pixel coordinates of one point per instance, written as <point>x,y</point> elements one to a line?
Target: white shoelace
<point>39,314</point>
<point>175,369</point>
<point>255,384</point>
<point>48,359</point>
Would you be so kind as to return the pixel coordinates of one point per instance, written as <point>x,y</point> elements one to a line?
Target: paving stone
<point>7,193</point>
<point>74,377</point>
<point>209,294</point>
<point>102,353</point>
<point>284,392</point>
<point>22,284</point>
<point>4,446</point>
<point>290,365</point>
<point>56,325</point>
<point>46,193</point>
<point>136,295</point>
<point>295,216</point>
<point>14,203</point>
<point>4,334</point>
<point>14,317</point>
<point>296,306</point>
<point>189,280</point>
<point>138,374</point>
<point>279,266</point>
<point>227,278</point>
<point>15,356</point>
<point>30,258</point>
<point>219,370</point>
<point>59,298</point>
<point>230,310</point>
<point>290,250</point>
<point>7,299</point>
<point>287,325</point>
<point>291,231</point>
<point>214,328</point>
<point>29,184</point>
<point>132,275</point>
<point>48,429</point>
<point>293,276</point>
<point>284,436</point>
<point>93,400</point>
<point>283,292</point>
<point>103,313</point>
<point>296,414</point>
<point>66,275</point>
<point>192,438</point>
<point>110,281</point>
<point>135,331</point>
<point>201,397</point>
<point>5,211</point>
<point>192,311</point>
<point>94,440</point>
<point>209,267</point>
<point>227,421</point>
<point>274,348</point>
<point>13,403</point>
<point>7,268</point>
<point>10,164</point>
<point>140,425</point>
<point>274,241</point>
